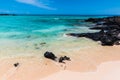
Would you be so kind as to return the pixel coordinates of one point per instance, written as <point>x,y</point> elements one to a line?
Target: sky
<point>81,7</point>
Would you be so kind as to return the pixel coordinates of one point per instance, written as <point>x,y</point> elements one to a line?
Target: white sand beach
<point>100,63</point>
<point>105,71</point>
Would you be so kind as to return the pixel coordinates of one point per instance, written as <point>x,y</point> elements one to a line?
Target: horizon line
<point>14,14</point>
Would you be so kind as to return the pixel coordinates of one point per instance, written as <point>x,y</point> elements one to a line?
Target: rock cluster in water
<point>109,33</point>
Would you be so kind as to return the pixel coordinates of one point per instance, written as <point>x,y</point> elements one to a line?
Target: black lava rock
<point>16,64</point>
<point>61,59</point>
<point>49,55</point>
<point>109,30</point>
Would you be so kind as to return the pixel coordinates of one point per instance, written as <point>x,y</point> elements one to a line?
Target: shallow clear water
<point>30,34</point>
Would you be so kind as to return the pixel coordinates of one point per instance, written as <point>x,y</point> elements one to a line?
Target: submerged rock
<point>43,43</point>
<point>29,36</point>
<point>35,44</point>
<point>37,47</point>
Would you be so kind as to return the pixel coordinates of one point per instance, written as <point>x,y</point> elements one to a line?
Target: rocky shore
<point>108,30</point>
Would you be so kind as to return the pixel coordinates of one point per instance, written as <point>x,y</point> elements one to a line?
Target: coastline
<point>35,68</point>
<point>22,49</point>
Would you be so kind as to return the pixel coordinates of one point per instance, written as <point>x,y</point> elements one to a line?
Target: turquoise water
<point>32,34</point>
<point>44,27</point>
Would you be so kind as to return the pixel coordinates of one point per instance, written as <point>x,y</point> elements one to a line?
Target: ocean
<point>33,35</point>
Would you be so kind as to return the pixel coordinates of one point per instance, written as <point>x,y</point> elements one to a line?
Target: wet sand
<point>94,63</point>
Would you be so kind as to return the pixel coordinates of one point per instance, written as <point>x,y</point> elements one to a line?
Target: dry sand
<point>106,71</point>
<point>98,63</point>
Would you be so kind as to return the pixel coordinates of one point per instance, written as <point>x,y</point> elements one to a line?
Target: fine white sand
<point>106,71</point>
<point>98,63</point>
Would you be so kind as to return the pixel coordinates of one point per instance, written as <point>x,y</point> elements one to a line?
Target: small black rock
<point>16,64</point>
<point>49,55</point>
<point>61,59</point>
<point>67,58</point>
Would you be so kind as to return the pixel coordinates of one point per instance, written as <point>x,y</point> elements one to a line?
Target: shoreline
<point>35,68</point>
